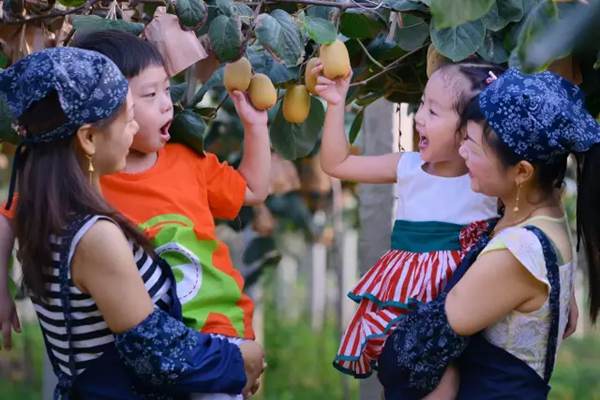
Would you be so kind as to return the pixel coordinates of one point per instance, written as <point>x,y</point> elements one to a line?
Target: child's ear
<point>85,139</point>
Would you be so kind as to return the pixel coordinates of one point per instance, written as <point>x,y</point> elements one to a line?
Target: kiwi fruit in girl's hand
<point>237,75</point>
<point>310,78</point>
<point>296,104</point>
<point>335,58</point>
<point>262,92</point>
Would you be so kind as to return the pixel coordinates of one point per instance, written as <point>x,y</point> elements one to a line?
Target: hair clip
<point>491,78</point>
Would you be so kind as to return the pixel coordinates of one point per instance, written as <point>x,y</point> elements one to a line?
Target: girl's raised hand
<point>332,91</point>
<point>249,115</point>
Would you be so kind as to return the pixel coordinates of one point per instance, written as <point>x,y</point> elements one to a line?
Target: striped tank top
<point>90,335</point>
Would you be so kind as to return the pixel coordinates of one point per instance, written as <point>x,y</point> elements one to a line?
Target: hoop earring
<point>90,168</point>
<point>516,207</point>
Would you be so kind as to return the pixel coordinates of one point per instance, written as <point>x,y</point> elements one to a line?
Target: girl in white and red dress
<point>438,215</point>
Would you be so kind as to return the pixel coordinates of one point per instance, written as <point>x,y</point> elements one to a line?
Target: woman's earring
<point>516,207</point>
<point>90,168</point>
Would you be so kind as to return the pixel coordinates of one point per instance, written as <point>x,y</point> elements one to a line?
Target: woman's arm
<point>158,349</point>
<point>495,285</point>
<point>336,159</point>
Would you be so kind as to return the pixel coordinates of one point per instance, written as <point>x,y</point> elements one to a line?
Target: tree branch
<point>88,4</point>
<point>369,54</point>
<point>388,67</point>
<point>324,3</point>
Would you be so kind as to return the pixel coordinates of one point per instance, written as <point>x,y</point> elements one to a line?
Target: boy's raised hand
<point>249,115</point>
<point>332,91</point>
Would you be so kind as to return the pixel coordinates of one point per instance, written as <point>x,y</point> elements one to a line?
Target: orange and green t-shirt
<point>175,202</point>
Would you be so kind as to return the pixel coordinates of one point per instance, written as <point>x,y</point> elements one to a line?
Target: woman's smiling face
<point>488,175</point>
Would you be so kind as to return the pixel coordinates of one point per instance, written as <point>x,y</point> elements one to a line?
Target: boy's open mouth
<point>423,142</point>
<point>164,131</point>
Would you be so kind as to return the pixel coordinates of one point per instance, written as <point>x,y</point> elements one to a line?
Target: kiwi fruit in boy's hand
<point>263,94</point>
<point>237,75</point>
<point>335,59</point>
<point>296,104</point>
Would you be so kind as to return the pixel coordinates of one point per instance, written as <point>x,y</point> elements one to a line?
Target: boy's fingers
<point>321,80</point>
<point>317,69</point>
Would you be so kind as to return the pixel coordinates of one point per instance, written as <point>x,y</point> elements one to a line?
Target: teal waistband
<point>421,237</point>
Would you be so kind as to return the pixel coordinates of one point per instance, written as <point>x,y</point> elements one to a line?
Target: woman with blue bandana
<point>106,304</point>
<point>502,317</point>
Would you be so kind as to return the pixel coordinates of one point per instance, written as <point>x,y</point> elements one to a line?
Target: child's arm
<point>256,159</point>
<point>336,159</point>
<point>8,312</point>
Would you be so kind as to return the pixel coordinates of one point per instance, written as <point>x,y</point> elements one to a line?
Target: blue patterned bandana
<point>539,116</point>
<point>90,88</point>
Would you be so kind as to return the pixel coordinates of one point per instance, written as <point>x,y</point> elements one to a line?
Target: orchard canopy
<point>392,45</point>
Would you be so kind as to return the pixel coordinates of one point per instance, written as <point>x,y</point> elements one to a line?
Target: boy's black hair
<point>130,53</point>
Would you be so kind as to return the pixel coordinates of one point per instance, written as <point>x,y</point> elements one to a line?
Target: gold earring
<point>90,168</point>
<point>516,207</point>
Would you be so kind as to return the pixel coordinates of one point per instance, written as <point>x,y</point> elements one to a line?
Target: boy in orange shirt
<point>174,194</point>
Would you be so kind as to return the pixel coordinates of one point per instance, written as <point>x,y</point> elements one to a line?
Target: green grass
<point>21,367</point>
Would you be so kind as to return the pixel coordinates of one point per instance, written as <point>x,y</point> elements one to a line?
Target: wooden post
<point>376,203</point>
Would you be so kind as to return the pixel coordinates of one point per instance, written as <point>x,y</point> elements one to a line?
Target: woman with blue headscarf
<point>502,317</point>
<point>107,306</point>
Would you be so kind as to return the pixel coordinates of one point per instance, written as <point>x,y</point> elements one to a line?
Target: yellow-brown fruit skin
<point>296,104</point>
<point>310,79</point>
<point>335,59</point>
<point>434,60</point>
<point>237,75</point>
<point>263,94</point>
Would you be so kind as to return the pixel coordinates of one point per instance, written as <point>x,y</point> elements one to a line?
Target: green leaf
<point>192,13</point>
<point>262,62</point>
<point>328,13</point>
<point>460,42</point>
<point>536,23</point>
<point>4,60</point>
<point>405,5</point>
<point>356,125</point>
<point>72,3</point>
<point>7,133</point>
<point>225,34</point>
<point>493,49</point>
<point>360,24</point>
<point>413,33</point>
<point>320,30</point>
<point>293,141</point>
<point>188,128</point>
<point>383,49</point>
<point>92,23</point>
<point>177,91</point>
<point>550,33</point>
<point>278,33</point>
<point>452,13</point>
<point>215,80</point>
<point>243,10</point>
<point>226,7</point>
<point>502,13</point>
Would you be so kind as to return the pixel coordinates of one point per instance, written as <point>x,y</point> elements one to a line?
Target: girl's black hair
<point>476,72</point>
<point>130,53</point>
<point>550,175</point>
